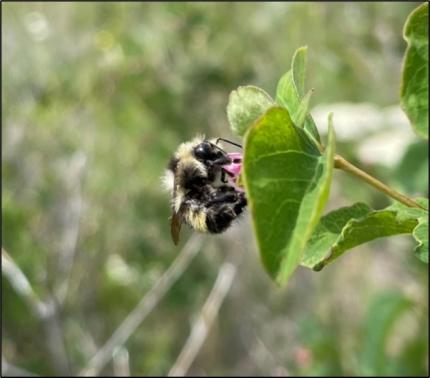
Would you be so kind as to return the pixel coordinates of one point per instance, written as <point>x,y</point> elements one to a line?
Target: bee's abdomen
<point>196,217</point>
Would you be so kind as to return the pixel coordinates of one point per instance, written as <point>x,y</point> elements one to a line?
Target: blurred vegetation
<point>97,96</point>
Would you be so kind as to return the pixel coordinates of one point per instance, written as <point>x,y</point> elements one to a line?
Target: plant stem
<point>341,163</point>
<point>148,302</point>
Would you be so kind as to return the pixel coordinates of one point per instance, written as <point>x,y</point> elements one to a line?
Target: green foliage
<point>245,105</point>
<point>328,232</point>
<point>290,91</point>
<point>348,227</point>
<point>326,355</point>
<point>383,313</point>
<point>414,87</point>
<point>421,235</point>
<point>412,172</point>
<point>124,83</point>
<point>390,315</point>
<point>303,110</point>
<point>287,182</point>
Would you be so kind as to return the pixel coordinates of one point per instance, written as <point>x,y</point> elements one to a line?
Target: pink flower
<point>233,169</point>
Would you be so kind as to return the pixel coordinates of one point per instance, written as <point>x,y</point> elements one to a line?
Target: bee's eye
<point>203,150</point>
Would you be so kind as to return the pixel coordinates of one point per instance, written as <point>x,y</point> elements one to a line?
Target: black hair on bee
<point>201,194</point>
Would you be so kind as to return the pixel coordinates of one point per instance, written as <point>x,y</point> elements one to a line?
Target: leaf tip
<point>318,267</point>
<point>303,48</point>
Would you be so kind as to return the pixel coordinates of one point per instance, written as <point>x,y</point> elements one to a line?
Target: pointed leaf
<point>290,90</point>
<point>299,69</point>
<point>414,87</point>
<point>348,227</point>
<point>287,182</point>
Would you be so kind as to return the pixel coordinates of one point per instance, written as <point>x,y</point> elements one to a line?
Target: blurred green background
<point>95,99</point>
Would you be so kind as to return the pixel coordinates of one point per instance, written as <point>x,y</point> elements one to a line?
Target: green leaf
<point>246,104</point>
<point>287,94</point>
<point>420,233</point>
<point>287,182</point>
<point>414,87</point>
<point>348,227</point>
<point>405,212</point>
<point>411,173</point>
<point>328,231</point>
<point>290,91</point>
<point>303,109</point>
<point>379,323</point>
<point>298,66</point>
<point>291,86</point>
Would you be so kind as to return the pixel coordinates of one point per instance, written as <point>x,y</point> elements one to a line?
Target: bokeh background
<point>95,99</point>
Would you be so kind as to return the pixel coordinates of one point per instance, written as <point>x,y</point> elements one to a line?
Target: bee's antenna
<point>228,141</point>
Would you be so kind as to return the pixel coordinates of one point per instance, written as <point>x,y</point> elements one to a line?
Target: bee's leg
<point>219,217</point>
<point>222,160</point>
<point>240,204</point>
<point>224,194</point>
<point>226,188</point>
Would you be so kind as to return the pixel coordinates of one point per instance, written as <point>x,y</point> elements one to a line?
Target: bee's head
<point>206,151</point>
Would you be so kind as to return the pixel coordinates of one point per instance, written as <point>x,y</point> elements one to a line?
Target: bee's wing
<point>175,227</point>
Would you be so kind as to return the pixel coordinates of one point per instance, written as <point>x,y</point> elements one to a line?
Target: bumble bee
<point>202,186</point>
